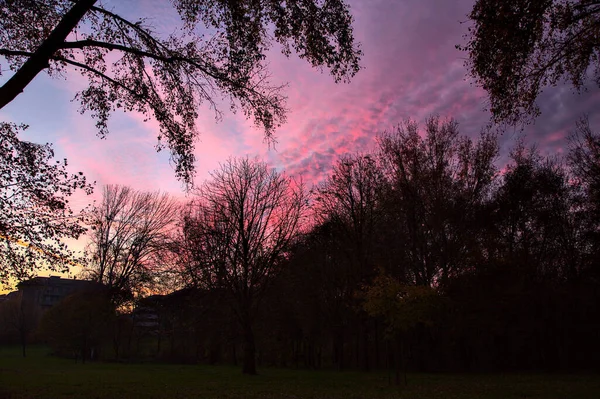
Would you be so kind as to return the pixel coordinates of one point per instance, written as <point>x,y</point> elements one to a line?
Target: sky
<point>411,69</point>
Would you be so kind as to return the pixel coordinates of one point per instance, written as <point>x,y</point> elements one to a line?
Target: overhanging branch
<point>167,59</point>
<point>39,60</point>
<point>141,53</point>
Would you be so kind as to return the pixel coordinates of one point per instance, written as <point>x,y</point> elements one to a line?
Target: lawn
<point>43,376</point>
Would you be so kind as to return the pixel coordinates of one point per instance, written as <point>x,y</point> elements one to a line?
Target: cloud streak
<point>411,70</point>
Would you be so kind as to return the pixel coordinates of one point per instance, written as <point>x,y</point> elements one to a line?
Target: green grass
<point>43,376</point>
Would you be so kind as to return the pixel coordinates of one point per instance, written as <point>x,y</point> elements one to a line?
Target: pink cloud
<point>411,70</point>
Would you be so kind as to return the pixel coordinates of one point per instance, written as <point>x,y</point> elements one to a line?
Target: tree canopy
<point>518,47</point>
<point>217,52</point>
<point>34,207</point>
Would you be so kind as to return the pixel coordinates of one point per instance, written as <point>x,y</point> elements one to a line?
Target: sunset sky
<point>411,69</point>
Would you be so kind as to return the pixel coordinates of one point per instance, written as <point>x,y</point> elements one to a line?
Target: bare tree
<point>237,232</point>
<point>130,229</point>
<point>349,198</point>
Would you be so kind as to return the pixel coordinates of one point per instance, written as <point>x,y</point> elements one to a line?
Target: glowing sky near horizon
<point>411,69</point>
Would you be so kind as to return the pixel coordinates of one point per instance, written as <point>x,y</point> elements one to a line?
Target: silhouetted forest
<point>426,254</point>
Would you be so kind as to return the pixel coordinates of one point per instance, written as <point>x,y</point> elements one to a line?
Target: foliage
<point>479,269</point>
<point>80,324</point>
<point>217,51</point>
<point>516,48</point>
<point>436,183</point>
<point>534,216</point>
<point>18,320</point>
<point>584,160</point>
<point>461,266</point>
<point>35,215</point>
<point>401,306</point>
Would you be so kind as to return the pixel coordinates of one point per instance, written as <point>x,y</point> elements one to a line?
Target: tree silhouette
<point>35,216</point>
<point>532,216</point>
<point>349,201</point>
<point>518,47</point>
<point>435,184</point>
<point>18,317</point>
<point>129,232</point>
<point>129,66</point>
<point>237,234</point>
<point>584,160</point>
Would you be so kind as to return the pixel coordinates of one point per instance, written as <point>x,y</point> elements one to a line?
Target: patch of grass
<point>43,376</point>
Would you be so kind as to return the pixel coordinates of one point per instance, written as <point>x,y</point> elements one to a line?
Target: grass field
<point>42,376</point>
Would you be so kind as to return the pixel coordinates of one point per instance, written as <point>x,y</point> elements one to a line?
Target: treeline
<point>426,256</point>
<point>423,255</point>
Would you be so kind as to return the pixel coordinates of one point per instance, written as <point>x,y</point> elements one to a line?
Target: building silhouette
<point>44,292</point>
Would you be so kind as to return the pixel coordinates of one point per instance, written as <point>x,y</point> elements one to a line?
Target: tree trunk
<point>377,361</point>
<point>22,327</point>
<point>84,349</point>
<point>403,358</point>
<point>296,347</point>
<point>319,356</point>
<point>40,59</point>
<point>388,363</point>
<point>117,339</point>
<point>116,348</point>
<point>234,354</point>
<point>340,346</point>
<point>357,348</point>
<point>24,343</point>
<point>158,343</point>
<point>366,363</point>
<point>249,366</point>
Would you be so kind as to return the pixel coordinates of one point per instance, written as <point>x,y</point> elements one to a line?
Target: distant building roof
<point>55,281</point>
<point>48,291</point>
